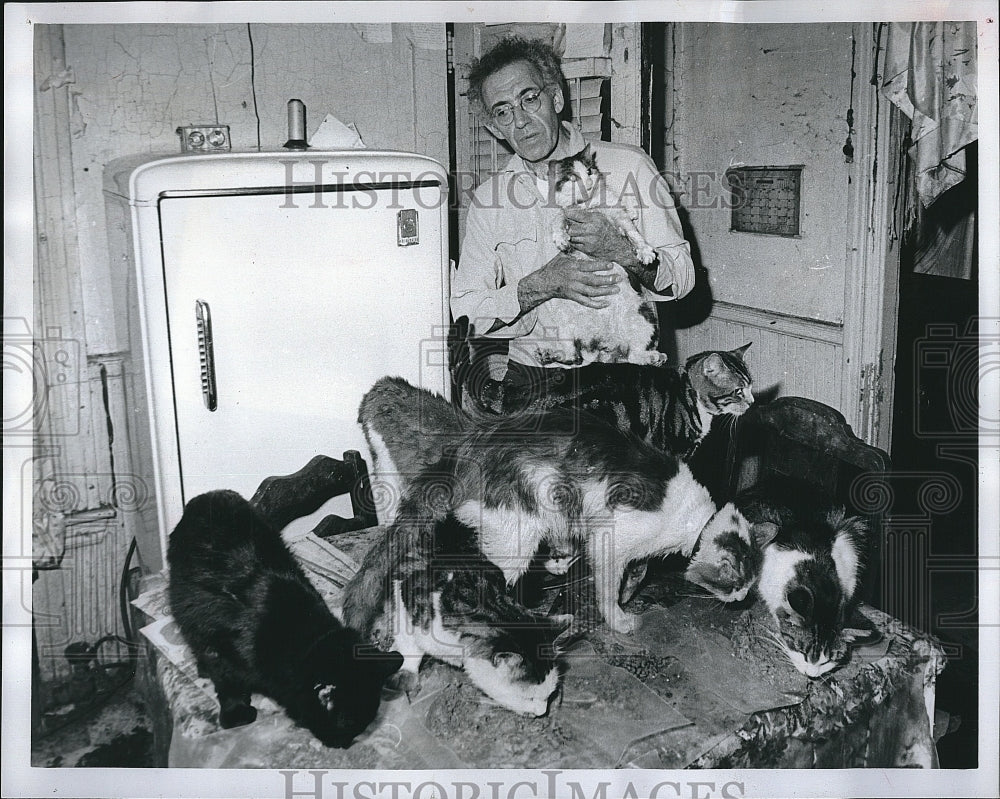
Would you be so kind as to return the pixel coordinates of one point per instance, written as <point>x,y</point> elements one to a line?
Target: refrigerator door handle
<point>206,354</point>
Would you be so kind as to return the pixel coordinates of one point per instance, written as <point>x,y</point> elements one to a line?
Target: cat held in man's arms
<point>626,329</point>
<point>425,588</point>
<point>255,624</point>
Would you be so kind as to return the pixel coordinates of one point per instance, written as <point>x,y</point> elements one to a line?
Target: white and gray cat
<point>811,571</point>
<point>566,478</point>
<point>625,330</point>
<point>425,588</point>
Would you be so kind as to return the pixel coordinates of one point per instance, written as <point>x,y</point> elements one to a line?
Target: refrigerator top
<point>144,179</point>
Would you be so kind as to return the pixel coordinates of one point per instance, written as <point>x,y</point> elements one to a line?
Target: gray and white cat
<point>625,330</point>
<point>425,588</point>
<point>566,478</point>
<point>810,573</point>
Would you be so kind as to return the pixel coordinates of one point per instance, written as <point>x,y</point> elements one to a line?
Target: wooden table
<point>693,688</point>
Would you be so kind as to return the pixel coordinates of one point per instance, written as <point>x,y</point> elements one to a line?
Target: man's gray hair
<point>508,51</point>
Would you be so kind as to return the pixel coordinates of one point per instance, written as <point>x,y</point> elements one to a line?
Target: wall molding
<point>787,324</point>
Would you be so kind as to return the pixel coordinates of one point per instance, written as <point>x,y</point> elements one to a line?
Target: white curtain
<point>930,74</point>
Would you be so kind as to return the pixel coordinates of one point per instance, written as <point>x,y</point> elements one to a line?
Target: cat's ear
<point>854,526</point>
<point>740,350</point>
<point>388,663</point>
<point>381,663</point>
<point>764,533</point>
<point>509,659</point>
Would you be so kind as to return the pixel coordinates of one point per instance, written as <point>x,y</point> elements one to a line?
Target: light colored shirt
<point>508,235</point>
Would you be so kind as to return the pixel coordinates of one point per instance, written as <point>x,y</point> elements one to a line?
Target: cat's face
<point>813,648</point>
<point>722,381</point>
<point>575,180</point>
<point>342,689</point>
<point>522,673</point>
<point>809,593</point>
<point>728,559</point>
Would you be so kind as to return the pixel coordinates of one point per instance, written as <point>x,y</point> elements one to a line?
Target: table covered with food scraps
<point>698,685</point>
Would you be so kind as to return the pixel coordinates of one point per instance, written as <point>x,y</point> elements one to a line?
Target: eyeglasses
<point>530,102</point>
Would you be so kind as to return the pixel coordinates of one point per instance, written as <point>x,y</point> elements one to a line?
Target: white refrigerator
<point>269,291</point>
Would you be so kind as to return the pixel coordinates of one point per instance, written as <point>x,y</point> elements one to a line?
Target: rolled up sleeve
<point>661,227</point>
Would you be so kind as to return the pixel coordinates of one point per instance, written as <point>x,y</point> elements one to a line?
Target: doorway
<point>934,448</point>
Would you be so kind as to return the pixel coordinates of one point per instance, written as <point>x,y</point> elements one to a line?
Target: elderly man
<point>509,266</point>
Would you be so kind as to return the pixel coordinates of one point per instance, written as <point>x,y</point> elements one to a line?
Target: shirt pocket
<point>518,258</point>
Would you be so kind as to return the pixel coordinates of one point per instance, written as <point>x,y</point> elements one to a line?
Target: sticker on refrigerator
<point>406,228</point>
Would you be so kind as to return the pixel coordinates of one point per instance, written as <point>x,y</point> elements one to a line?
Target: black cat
<point>256,624</point>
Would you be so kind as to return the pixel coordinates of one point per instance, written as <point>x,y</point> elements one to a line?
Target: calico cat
<point>256,624</point>
<point>625,330</point>
<point>426,587</point>
<point>564,478</point>
<point>811,571</point>
<point>407,430</point>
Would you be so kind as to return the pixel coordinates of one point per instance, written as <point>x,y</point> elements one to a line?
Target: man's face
<point>533,135</point>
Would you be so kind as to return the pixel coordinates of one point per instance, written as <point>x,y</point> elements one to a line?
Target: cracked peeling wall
<point>770,95</point>
<point>132,85</point>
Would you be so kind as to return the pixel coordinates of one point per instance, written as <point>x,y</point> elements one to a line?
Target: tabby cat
<point>256,624</point>
<point>626,329</point>
<point>670,408</point>
<point>811,571</point>
<point>425,588</point>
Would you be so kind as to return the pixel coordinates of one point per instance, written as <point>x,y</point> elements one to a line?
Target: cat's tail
<point>367,591</point>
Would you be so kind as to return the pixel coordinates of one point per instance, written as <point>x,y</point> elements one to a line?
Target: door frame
<point>871,286</point>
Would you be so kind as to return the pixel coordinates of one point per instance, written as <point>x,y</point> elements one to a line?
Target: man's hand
<point>593,234</point>
<point>589,283</point>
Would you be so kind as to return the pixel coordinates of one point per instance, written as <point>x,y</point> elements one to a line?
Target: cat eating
<point>563,478</point>
<point>810,573</point>
<point>256,624</point>
<point>624,330</point>
<point>670,408</point>
<point>425,588</point>
<point>566,478</point>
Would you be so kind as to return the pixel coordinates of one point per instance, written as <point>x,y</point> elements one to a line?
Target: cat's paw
<point>237,716</point>
<point>654,358</point>
<point>405,682</point>
<point>551,355</point>
<point>645,253</point>
<point>560,237</point>
<point>621,622</point>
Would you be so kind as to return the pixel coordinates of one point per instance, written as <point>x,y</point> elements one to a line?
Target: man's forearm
<point>529,296</point>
